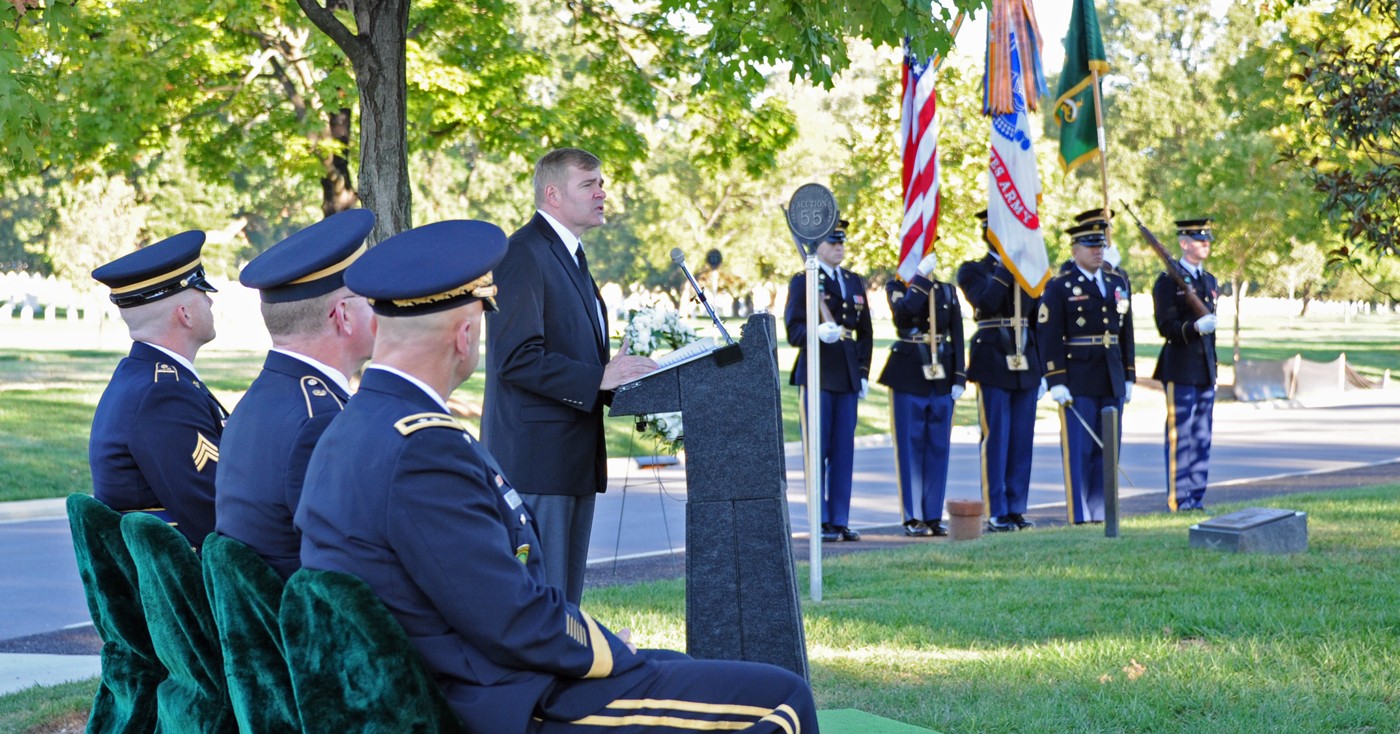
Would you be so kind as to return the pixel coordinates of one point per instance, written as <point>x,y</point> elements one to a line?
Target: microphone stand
<point>730,352</point>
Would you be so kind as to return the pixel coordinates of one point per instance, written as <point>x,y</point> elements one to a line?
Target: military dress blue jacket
<point>846,361</point>
<point>904,370</point>
<point>155,442</point>
<point>401,495</point>
<point>991,290</point>
<point>266,446</point>
<point>1188,357</point>
<point>1072,315</point>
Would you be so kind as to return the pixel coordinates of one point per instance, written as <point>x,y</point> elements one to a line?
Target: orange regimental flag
<point>1010,87</point>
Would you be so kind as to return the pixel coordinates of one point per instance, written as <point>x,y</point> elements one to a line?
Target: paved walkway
<point>639,534</point>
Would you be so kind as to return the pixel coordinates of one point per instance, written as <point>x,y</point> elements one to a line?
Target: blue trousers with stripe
<point>1083,458</point>
<point>684,695</point>
<point>838,449</point>
<point>923,430</point>
<point>1008,434</point>
<point>1190,420</point>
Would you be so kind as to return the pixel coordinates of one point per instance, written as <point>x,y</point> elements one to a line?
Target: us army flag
<point>1074,101</point>
<point>1013,182</point>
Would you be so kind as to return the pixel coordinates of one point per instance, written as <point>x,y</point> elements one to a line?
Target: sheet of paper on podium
<point>688,353</point>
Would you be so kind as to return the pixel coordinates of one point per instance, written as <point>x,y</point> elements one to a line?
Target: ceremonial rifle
<point>1193,301</point>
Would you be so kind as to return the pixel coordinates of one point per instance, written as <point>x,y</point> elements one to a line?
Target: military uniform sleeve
<point>1050,334</point>
<point>908,304</point>
<point>518,333</point>
<point>795,312</point>
<point>865,334</point>
<point>175,442</point>
<point>1173,322</point>
<point>299,456</point>
<point>955,326</point>
<point>445,522</point>
<point>985,292</point>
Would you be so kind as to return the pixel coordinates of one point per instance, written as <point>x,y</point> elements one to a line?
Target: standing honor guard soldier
<point>847,347</point>
<point>1003,361</point>
<point>1085,328</point>
<point>155,434</point>
<point>321,334</point>
<point>401,495</point>
<point>1186,365</point>
<point>925,375</point>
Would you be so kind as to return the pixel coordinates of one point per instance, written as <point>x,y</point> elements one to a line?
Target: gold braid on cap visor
<point>480,288</point>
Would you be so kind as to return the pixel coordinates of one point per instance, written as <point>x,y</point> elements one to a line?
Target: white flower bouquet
<point>651,329</point>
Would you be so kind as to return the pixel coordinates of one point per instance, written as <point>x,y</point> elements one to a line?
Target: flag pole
<point>1103,152</point>
<point>952,36</point>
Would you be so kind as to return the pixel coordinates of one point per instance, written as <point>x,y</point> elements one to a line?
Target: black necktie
<point>583,264</point>
<point>588,279</point>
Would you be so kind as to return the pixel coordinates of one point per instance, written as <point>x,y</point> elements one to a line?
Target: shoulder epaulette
<point>418,421</point>
<point>319,397</point>
<point>165,371</point>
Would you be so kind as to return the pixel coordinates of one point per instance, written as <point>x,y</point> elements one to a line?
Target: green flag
<point>1074,101</point>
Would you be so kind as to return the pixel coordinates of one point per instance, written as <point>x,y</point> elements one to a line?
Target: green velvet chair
<point>353,668</point>
<point>245,595</point>
<point>126,697</point>
<point>194,698</point>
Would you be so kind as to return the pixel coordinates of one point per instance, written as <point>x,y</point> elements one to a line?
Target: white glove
<point>864,388</point>
<point>1205,324</point>
<point>1127,393</point>
<point>1043,387</point>
<point>828,332</point>
<point>1060,394</point>
<point>928,264</point>
<point>957,391</point>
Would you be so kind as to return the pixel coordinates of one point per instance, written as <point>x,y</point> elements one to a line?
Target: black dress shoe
<point>1000,524</point>
<point>917,529</point>
<point>830,534</point>
<point>1021,522</point>
<point>936,529</point>
<point>848,534</point>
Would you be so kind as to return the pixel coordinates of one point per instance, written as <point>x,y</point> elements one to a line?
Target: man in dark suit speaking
<point>548,372</point>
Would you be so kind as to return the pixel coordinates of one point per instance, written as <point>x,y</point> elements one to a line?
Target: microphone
<point>678,258</point>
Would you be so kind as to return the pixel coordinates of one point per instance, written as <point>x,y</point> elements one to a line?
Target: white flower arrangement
<point>651,329</point>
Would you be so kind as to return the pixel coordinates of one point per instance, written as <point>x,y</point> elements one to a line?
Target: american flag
<point>918,143</point>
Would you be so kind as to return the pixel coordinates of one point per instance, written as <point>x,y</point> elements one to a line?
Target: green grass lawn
<point>1063,630</point>
<point>47,397</point>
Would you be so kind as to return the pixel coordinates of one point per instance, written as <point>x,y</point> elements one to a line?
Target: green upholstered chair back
<point>353,667</point>
<point>194,698</point>
<point>126,697</point>
<point>245,595</point>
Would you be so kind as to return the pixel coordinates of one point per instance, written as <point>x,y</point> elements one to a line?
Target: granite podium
<point>741,600</point>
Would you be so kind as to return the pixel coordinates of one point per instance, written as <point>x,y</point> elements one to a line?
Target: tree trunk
<point>1239,285</point>
<point>337,187</point>
<point>380,74</point>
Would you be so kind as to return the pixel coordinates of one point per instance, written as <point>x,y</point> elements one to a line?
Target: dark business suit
<point>844,364</point>
<point>1072,315</point>
<point>1005,398</point>
<point>921,409</point>
<point>266,447</point>
<point>155,442</point>
<point>542,415</point>
<point>1186,368</point>
<point>401,495</point>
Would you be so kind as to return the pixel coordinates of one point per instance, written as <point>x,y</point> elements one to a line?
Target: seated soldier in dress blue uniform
<point>321,334</point>
<point>1187,364</point>
<point>155,434</point>
<point>925,375</point>
<point>401,495</point>
<point>847,346</point>
<point>1085,333</point>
